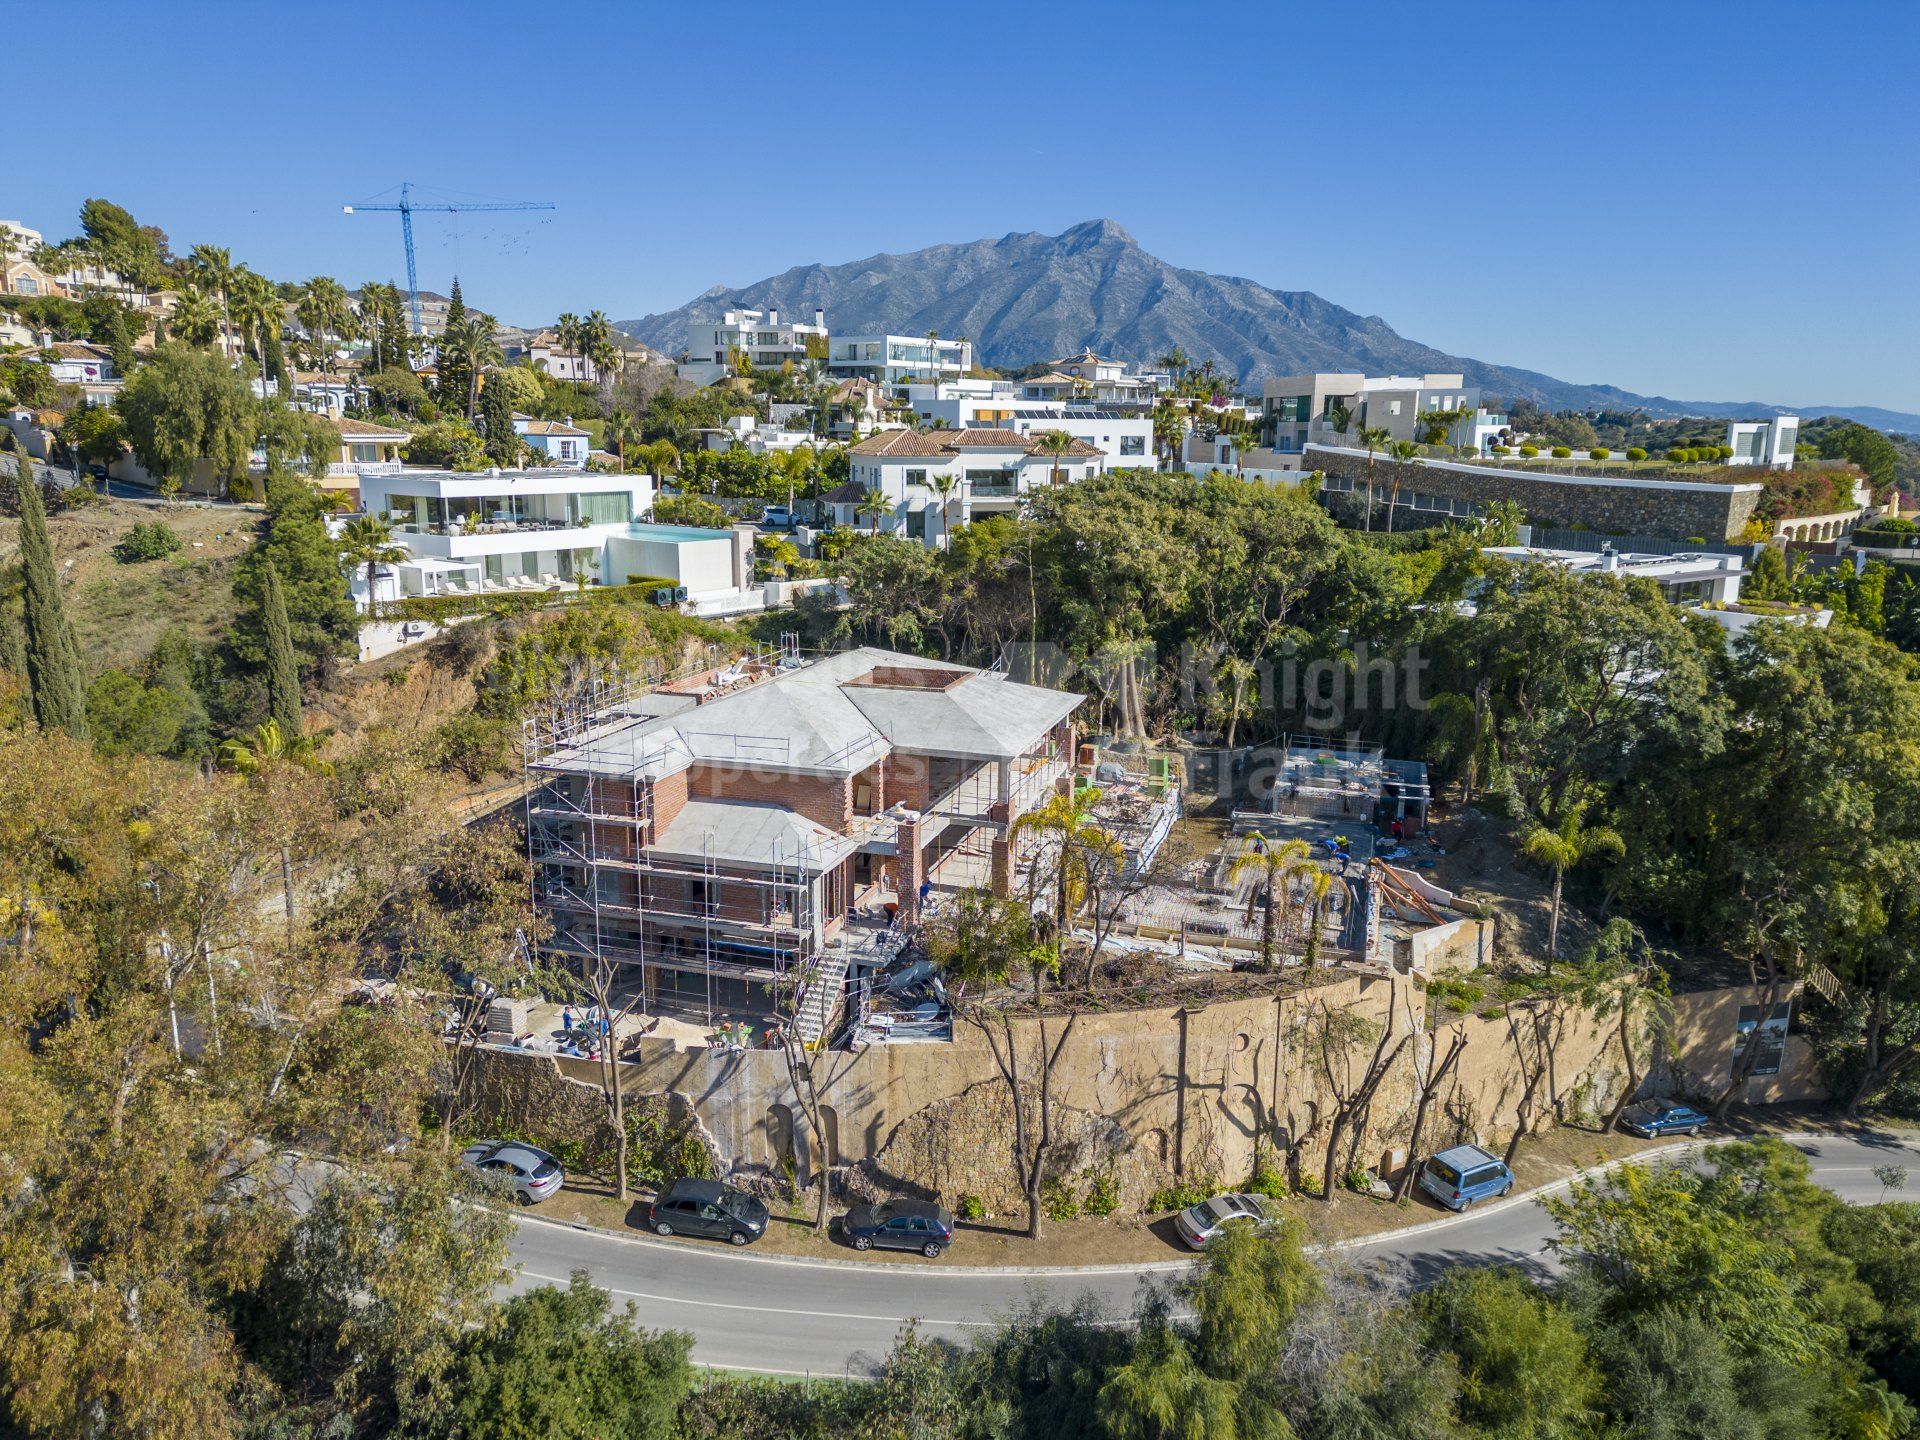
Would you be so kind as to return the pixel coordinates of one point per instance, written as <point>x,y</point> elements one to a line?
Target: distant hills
<point>1030,297</point>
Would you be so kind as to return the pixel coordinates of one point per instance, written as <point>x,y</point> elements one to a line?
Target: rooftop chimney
<point>773,316</point>
<point>819,317</point>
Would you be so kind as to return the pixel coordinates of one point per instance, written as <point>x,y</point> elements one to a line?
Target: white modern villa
<point>508,530</point>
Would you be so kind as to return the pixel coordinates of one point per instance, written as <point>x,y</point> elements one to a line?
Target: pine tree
<point>393,332</point>
<point>454,379</point>
<point>283,671</point>
<point>54,680</point>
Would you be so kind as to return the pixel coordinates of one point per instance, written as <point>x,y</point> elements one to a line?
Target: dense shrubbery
<point>146,540</point>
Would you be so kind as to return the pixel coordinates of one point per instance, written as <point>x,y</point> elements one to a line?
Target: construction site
<point>708,830</point>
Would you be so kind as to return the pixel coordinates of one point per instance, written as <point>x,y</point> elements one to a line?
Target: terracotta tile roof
<point>549,427</point>
<point>75,350</point>
<point>368,430</point>
<point>925,443</point>
<point>979,437</point>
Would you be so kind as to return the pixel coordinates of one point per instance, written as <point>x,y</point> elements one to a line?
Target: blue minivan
<point>1464,1174</point>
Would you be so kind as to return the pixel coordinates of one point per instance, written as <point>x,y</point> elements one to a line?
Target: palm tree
<point>1053,444</point>
<point>254,757</point>
<point>1403,453</point>
<point>256,311</point>
<point>1274,868</point>
<point>660,458</point>
<point>1562,847</point>
<point>621,432</point>
<point>944,485</point>
<point>473,343</point>
<point>873,505</point>
<point>1174,362</point>
<point>794,466</point>
<point>212,269</point>
<point>1319,882</point>
<point>323,311</point>
<point>597,347</point>
<point>368,540</point>
<point>1373,437</point>
<point>195,319</point>
<point>1067,820</point>
<point>567,327</point>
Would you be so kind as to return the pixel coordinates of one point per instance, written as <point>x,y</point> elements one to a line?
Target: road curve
<point>791,1316</point>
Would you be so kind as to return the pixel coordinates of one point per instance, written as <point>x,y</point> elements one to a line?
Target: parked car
<point>777,517</point>
<point>899,1225</point>
<point>708,1208</point>
<point>533,1173</point>
<point>1199,1225</point>
<point>1654,1118</point>
<point>1464,1174</point>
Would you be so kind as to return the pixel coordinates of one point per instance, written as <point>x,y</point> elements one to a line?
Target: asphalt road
<point>789,1316</point>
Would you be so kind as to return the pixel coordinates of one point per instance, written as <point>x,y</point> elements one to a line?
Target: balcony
<point>994,489</point>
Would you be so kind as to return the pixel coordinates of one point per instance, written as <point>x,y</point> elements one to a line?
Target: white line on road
<point>766,1309</point>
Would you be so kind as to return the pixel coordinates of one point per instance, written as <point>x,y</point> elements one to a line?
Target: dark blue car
<point>1655,1118</point>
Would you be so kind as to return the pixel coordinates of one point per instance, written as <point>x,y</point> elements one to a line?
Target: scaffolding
<point>590,770</point>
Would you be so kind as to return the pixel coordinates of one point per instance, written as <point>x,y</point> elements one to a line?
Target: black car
<point>1655,1118</point>
<point>899,1225</point>
<point>706,1207</point>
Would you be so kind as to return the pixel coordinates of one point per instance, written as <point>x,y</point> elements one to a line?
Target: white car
<point>533,1173</point>
<point>1209,1218</point>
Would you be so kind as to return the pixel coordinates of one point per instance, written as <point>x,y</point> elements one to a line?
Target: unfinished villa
<point>711,829</point>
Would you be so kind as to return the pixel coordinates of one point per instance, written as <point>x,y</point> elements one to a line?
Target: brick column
<point>1002,867</point>
<point>906,868</point>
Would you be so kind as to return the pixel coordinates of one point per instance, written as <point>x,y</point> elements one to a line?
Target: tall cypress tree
<point>283,671</point>
<point>54,679</point>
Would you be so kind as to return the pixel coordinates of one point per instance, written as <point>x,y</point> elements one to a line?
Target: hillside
<point>1029,297</point>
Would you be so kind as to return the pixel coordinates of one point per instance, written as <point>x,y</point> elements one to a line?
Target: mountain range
<point>1028,297</point>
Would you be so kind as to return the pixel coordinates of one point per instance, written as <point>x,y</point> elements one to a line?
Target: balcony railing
<point>490,527</point>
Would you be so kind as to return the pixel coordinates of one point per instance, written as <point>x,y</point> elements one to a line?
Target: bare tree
<point>1335,1035</point>
<point>1438,1068</point>
<point>1529,1030</point>
<point>1029,1086</point>
<point>612,1001</point>
<point>809,1067</point>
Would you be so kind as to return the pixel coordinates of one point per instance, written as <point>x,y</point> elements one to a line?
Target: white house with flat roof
<point>1702,578</point>
<point>760,337</point>
<point>1298,410</point>
<point>898,359</point>
<point>1764,442</point>
<point>505,530</point>
<point>934,481</point>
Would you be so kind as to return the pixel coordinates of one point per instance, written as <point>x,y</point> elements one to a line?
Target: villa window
<point>612,507</point>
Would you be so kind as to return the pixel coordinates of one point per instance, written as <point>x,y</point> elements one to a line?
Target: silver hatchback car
<point>533,1173</point>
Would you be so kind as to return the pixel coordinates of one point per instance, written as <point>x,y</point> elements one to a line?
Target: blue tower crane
<point>407,207</point>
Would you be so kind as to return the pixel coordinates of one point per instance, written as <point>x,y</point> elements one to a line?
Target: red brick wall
<point>669,798</point>
<point>907,780</point>
<point>825,800</point>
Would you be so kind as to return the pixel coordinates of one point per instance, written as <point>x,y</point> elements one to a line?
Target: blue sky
<point>1702,200</point>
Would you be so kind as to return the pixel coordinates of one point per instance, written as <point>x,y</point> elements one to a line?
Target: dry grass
<point>118,611</point>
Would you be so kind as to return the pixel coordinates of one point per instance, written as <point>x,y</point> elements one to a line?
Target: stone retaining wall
<point>1147,1097</point>
<point>1677,509</point>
